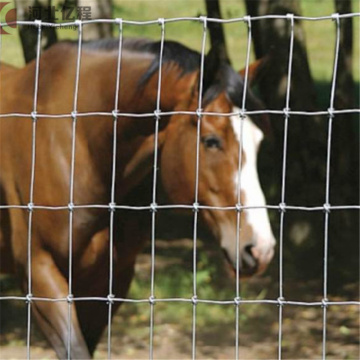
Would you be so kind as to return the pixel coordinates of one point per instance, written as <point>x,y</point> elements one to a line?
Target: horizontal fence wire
<point>116,116</point>
<point>236,301</point>
<point>156,207</point>
<point>194,113</point>
<point>181,19</point>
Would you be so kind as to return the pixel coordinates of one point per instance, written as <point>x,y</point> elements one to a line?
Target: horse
<point>176,145</point>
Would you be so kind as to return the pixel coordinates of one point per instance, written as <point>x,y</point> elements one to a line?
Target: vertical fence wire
<point>203,19</point>
<point>32,183</point>
<point>113,187</point>
<point>71,190</point>
<point>247,19</point>
<point>157,113</point>
<point>327,184</point>
<point>290,18</point>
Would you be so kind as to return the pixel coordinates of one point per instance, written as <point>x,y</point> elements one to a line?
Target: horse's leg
<point>52,317</point>
<point>130,234</point>
<point>93,315</point>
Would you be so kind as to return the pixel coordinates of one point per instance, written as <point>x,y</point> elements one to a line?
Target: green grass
<point>175,280</point>
<point>320,35</point>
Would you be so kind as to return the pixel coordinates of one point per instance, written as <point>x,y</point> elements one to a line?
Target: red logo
<point>7,17</point>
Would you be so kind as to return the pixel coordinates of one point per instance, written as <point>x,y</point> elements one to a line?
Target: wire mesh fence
<point>282,300</point>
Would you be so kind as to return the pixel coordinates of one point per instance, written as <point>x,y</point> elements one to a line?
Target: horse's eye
<point>211,142</point>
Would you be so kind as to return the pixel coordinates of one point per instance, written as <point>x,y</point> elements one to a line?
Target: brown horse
<point>177,144</point>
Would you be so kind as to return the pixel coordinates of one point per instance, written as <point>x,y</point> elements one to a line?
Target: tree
<point>31,10</point>
<point>100,9</point>
<point>345,81</point>
<point>46,11</point>
<point>217,35</point>
<point>307,148</point>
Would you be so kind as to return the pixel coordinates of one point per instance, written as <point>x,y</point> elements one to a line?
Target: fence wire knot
<point>247,19</point>
<point>327,208</point>
<point>114,114</point>
<point>238,207</point>
<point>73,114</point>
<point>152,300</point>
<point>30,206</point>
<point>324,303</point>
<point>281,301</point>
<point>153,207</point>
<point>335,17</point>
<point>282,207</point>
<point>29,298</point>
<point>331,112</point>
<point>194,300</point>
<point>34,115</point>
<point>203,19</point>
<point>37,23</point>
<point>291,18</point>
<point>157,114</point>
<point>199,113</point>
<point>119,21</point>
<point>242,114</point>
<point>110,299</point>
<point>237,301</point>
<point>286,111</point>
<point>71,206</point>
<point>161,21</point>
<point>70,298</point>
<point>195,207</point>
<point>78,23</point>
<point>112,206</point>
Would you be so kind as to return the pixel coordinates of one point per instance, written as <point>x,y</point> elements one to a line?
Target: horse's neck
<point>139,97</point>
<point>132,131</point>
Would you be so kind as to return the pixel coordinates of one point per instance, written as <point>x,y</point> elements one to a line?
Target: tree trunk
<point>345,147</point>
<point>272,36</point>
<point>216,30</point>
<point>28,34</point>
<point>100,9</point>
<point>345,82</point>
<point>307,150</point>
<point>46,11</point>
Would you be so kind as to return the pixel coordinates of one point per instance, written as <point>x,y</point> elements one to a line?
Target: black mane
<point>225,79</point>
<point>188,60</point>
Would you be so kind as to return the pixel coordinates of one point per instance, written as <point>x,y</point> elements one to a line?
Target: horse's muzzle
<point>248,263</point>
<point>251,261</point>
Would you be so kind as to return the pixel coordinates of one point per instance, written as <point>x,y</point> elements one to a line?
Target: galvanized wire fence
<point>282,207</point>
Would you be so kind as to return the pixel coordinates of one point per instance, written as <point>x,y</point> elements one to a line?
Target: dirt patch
<point>215,330</point>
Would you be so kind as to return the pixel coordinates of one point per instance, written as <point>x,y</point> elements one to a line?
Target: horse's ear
<point>141,163</point>
<point>212,63</point>
<point>256,70</point>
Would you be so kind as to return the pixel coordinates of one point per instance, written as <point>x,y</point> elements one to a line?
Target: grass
<point>320,35</point>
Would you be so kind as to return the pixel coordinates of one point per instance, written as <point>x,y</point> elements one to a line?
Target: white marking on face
<point>258,219</point>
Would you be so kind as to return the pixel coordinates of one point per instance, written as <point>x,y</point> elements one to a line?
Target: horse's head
<point>221,137</point>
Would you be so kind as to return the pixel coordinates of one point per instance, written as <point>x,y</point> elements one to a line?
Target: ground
<point>302,326</point>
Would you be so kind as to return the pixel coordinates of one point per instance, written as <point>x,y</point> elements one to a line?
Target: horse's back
<point>7,69</point>
<point>56,88</point>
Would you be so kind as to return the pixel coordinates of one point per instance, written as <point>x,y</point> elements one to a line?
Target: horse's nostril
<point>248,260</point>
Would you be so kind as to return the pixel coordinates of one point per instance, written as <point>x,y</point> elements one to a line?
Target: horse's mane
<point>188,60</point>
<point>226,79</point>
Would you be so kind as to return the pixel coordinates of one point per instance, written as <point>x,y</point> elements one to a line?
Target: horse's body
<point>93,166</point>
